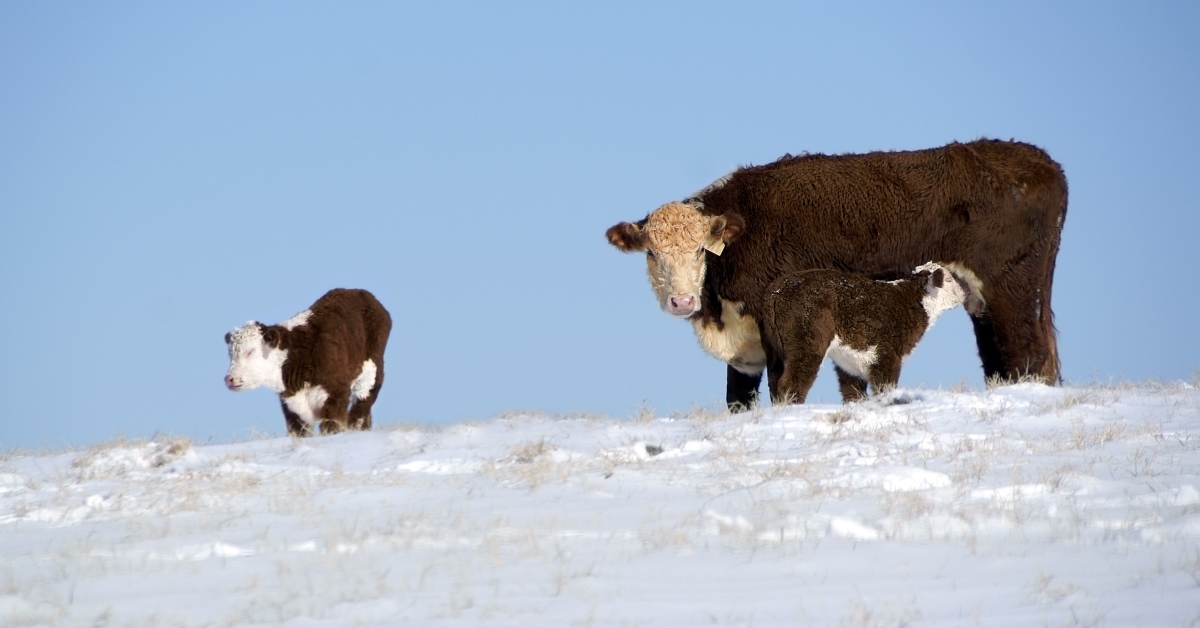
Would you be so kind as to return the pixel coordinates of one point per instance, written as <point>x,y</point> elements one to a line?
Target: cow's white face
<point>255,358</point>
<point>675,238</point>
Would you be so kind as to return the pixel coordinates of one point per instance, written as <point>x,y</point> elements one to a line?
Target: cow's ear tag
<point>715,247</point>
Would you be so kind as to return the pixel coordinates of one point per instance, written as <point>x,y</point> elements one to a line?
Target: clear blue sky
<point>171,170</point>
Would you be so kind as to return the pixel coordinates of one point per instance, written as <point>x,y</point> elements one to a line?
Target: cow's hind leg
<point>885,373</point>
<point>804,351</point>
<point>360,412</point>
<point>853,387</point>
<point>333,415</point>
<point>1015,334</point>
<point>799,373</point>
<point>360,409</point>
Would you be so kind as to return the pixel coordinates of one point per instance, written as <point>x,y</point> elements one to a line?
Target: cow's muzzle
<point>682,305</point>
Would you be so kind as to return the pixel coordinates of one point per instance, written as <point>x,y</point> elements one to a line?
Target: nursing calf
<point>320,361</point>
<point>866,327</point>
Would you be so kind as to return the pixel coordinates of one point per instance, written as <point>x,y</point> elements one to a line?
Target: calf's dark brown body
<point>868,327</point>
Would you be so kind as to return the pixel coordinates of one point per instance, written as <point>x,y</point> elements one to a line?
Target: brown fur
<point>804,312</point>
<point>993,208</point>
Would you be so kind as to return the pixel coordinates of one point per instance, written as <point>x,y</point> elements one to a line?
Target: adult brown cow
<point>991,211</point>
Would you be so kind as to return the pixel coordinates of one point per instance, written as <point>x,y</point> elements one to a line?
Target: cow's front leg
<point>295,425</point>
<point>741,390</point>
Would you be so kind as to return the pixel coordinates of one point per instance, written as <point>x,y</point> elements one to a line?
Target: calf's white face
<point>675,238</point>
<point>940,295</point>
<point>254,359</point>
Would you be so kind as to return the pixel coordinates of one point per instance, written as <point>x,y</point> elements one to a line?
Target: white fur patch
<point>738,344</point>
<point>252,362</point>
<point>938,300</point>
<point>297,320</point>
<point>973,300</point>
<point>307,403</point>
<point>361,387</point>
<point>854,361</point>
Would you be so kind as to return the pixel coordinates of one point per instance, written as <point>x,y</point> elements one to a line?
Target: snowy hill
<point>1023,505</point>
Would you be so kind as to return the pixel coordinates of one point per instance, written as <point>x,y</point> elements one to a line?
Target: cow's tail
<point>1052,369</point>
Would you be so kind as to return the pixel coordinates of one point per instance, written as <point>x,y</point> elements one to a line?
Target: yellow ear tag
<point>715,247</point>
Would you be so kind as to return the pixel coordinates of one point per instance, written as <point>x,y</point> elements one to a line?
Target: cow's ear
<point>722,230</point>
<point>228,337</point>
<point>735,225</point>
<point>271,336</point>
<point>627,236</point>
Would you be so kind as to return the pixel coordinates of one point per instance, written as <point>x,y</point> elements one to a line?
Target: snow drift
<point>1022,505</point>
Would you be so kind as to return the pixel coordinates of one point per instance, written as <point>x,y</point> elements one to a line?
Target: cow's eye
<point>649,253</point>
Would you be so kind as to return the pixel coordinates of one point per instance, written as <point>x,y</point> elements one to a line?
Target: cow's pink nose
<point>682,304</point>
<point>229,383</point>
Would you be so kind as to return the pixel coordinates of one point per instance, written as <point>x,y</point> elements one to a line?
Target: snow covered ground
<point>1019,506</point>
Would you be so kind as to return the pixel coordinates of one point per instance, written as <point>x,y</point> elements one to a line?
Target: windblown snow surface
<point>1023,505</point>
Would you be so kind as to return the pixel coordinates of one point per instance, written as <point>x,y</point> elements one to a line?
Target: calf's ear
<point>271,336</point>
<point>228,337</point>
<point>935,281</point>
<point>627,236</point>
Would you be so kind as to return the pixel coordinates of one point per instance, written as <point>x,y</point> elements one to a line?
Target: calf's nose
<point>229,383</point>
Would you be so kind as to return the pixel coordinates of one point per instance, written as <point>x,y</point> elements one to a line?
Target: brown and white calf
<point>320,361</point>
<point>866,327</point>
